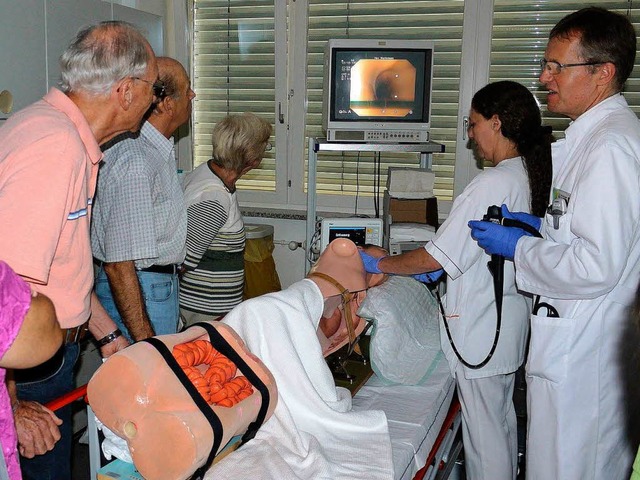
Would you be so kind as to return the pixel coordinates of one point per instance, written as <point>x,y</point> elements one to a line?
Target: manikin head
<point>340,276</point>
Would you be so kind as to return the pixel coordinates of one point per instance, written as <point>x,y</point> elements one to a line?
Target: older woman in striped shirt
<point>213,279</point>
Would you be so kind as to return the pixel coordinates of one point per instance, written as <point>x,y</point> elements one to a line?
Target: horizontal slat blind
<point>233,58</point>
<point>519,38</point>
<point>440,21</point>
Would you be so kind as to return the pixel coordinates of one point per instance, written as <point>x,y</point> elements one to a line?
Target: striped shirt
<point>214,279</point>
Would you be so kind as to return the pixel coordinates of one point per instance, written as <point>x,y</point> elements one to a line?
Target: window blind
<point>519,38</point>
<point>233,58</point>
<point>441,21</point>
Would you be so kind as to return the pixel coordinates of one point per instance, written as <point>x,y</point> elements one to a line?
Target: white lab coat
<point>489,423</point>
<point>470,299</point>
<point>588,269</point>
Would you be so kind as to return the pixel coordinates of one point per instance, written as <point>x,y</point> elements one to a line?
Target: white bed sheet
<point>415,415</point>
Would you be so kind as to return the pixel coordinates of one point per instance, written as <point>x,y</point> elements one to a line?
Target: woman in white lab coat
<point>505,126</point>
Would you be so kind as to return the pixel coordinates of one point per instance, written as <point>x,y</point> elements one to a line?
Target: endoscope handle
<point>496,265</point>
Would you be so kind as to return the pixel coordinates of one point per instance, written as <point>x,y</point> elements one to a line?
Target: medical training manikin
<point>136,395</point>
<point>340,275</point>
<point>171,432</point>
<point>314,432</point>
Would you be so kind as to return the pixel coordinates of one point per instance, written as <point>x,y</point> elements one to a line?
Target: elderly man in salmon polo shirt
<point>49,155</point>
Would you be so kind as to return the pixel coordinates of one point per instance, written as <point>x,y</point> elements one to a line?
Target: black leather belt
<point>171,269</point>
<point>75,334</point>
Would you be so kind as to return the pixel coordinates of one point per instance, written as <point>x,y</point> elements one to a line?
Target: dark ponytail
<point>521,122</point>
<point>535,149</point>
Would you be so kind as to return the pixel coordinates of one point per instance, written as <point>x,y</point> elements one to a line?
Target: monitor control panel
<point>359,230</point>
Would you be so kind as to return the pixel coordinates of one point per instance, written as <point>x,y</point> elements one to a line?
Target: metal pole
<point>312,156</point>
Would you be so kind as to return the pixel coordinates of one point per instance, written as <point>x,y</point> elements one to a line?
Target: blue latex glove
<point>370,262</point>
<point>495,239</point>
<point>429,277</point>
<point>532,220</point>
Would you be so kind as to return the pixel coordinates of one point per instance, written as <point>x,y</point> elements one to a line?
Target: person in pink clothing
<point>49,156</point>
<point>29,335</point>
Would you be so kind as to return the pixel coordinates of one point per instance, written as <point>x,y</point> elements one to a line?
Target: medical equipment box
<point>360,231</point>
<point>410,182</point>
<point>411,210</point>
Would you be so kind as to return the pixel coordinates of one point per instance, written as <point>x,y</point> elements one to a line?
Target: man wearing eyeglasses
<point>586,268</point>
<point>139,227</point>
<point>49,155</point>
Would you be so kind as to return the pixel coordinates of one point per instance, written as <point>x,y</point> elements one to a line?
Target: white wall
<point>34,33</point>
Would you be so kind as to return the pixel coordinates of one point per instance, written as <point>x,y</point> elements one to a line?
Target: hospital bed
<point>424,422</point>
<point>423,419</point>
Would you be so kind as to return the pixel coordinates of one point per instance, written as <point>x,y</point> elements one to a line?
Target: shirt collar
<point>581,125</point>
<point>58,100</point>
<point>153,135</point>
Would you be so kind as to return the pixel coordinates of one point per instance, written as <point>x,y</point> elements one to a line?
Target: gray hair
<point>102,55</point>
<point>239,141</point>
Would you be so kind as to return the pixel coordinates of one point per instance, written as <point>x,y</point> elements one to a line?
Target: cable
<point>376,184</point>
<point>357,182</point>
<point>315,238</point>
<point>498,294</point>
<point>496,266</point>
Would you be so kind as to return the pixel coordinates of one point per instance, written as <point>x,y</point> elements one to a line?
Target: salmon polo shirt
<point>48,169</point>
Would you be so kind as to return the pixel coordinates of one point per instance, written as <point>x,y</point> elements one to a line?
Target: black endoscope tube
<point>496,266</point>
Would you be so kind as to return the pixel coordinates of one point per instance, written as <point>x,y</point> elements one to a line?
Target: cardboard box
<point>404,210</point>
<point>410,182</point>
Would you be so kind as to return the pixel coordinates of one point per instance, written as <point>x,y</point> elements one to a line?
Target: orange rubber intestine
<point>218,385</point>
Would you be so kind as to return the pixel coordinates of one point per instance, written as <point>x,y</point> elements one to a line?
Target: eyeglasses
<point>268,147</point>
<point>555,68</point>
<point>159,88</point>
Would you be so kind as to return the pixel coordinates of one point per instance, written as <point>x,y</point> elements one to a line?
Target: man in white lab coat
<point>587,267</point>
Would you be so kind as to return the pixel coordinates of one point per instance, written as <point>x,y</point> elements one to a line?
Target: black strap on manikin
<point>220,344</point>
<point>210,415</point>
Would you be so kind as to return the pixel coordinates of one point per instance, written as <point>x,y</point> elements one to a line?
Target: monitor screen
<point>356,234</point>
<point>360,231</point>
<point>380,84</point>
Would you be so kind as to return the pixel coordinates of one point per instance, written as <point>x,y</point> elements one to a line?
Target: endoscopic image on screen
<point>379,85</point>
<point>383,88</point>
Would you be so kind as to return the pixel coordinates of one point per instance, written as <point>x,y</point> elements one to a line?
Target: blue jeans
<point>56,464</point>
<point>160,291</point>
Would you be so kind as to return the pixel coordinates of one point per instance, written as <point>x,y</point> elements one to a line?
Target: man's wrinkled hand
<point>110,348</point>
<point>374,251</point>
<point>37,428</point>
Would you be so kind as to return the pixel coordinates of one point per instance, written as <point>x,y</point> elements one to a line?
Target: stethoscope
<point>551,312</point>
<point>557,209</point>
